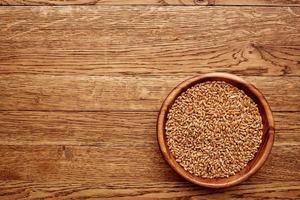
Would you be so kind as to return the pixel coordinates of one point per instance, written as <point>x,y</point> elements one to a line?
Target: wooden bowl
<point>267,138</point>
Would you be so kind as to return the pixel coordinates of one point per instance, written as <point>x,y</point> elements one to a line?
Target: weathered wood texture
<point>124,93</point>
<point>104,129</point>
<point>114,154</point>
<point>150,40</point>
<point>154,2</point>
<point>80,88</point>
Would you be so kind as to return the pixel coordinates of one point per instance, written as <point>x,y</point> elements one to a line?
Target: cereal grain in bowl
<point>215,130</point>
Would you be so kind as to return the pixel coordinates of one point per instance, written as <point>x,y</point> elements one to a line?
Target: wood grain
<point>100,164</point>
<point>81,86</point>
<point>154,2</point>
<point>182,41</point>
<point>170,190</point>
<point>77,152</point>
<point>106,128</point>
<point>127,93</point>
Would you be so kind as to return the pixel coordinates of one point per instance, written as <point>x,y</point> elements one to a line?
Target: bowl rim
<point>175,92</point>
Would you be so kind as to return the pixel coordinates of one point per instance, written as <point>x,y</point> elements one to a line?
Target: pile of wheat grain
<point>213,129</point>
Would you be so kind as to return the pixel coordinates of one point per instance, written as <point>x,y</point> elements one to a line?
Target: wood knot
<point>67,153</point>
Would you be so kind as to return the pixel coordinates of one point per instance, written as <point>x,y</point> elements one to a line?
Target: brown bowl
<point>267,138</point>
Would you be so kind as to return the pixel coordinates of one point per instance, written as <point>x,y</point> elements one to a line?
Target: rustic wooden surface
<point>81,86</point>
<point>155,2</point>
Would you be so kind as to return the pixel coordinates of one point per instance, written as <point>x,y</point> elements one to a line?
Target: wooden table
<point>81,86</point>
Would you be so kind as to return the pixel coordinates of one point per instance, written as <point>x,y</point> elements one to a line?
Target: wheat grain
<point>213,129</point>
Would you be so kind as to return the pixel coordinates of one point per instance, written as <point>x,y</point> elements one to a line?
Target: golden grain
<point>213,129</point>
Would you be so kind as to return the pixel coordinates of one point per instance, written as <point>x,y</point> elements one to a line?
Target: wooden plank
<point>256,2</point>
<point>107,167</point>
<point>73,60</point>
<point>126,93</point>
<point>110,155</point>
<point>142,40</point>
<point>98,155</point>
<point>106,129</point>
<point>153,190</point>
<point>154,2</point>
